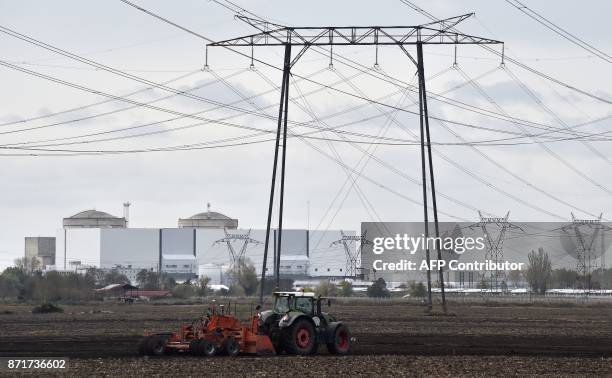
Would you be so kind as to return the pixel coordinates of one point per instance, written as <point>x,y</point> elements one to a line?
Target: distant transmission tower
<point>495,245</point>
<point>236,256</point>
<point>353,256</point>
<point>586,257</point>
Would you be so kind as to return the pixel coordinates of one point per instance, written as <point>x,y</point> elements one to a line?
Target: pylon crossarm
<point>451,22</point>
<point>257,24</point>
<point>356,35</point>
<point>447,23</point>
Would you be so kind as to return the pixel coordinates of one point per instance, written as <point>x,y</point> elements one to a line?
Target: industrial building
<point>205,244</point>
<point>41,248</point>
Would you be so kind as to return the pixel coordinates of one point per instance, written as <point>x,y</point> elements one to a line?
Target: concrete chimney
<point>126,213</point>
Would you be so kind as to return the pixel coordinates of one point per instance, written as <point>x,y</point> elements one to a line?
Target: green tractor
<point>296,325</point>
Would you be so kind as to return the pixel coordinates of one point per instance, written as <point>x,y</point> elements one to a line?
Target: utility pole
<point>433,33</point>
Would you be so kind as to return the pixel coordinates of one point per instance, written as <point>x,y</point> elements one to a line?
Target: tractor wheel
<point>231,347</point>
<point>143,346</point>
<point>341,342</point>
<point>206,348</point>
<point>300,338</point>
<point>157,345</point>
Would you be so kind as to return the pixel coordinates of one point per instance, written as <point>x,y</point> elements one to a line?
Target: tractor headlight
<point>284,319</point>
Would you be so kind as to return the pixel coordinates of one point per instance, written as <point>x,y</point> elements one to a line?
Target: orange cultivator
<point>215,333</point>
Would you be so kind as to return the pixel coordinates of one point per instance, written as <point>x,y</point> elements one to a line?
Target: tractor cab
<point>296,325</point>
<point>306,303</point>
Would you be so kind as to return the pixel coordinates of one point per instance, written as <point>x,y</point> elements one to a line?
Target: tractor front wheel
<point>300,338</point>
<point>341,341</point>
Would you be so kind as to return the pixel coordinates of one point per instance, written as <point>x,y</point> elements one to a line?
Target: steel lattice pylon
<point>236,256</point>
<point>495,245</point>
<point>353,257</point>
<point>433,33</point>
<point>586,260</point>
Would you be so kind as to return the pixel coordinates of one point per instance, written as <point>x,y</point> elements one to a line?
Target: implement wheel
<point>300,338</point>
<point>231,347</point>
<point>206,348</point>
<point>341,341</point>
<point>157,345</point>
<point>193,347</point>
<point>143,346</point>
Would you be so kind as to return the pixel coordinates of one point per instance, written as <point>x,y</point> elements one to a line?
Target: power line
<point>111,70</point>
<point>95,103</point>
<point>98,115</point>
<point>454,163</point>
<point>515,61</point>
<point>78,68</point>
<point>335,158</point>
<point>437,97</point>
<point>526,89</point>
<point>160,86</point>
<point>243,109</point>
<point>140,104</point>
<point>560,31</point>
<point>497,164</point>
<point>394,81</point>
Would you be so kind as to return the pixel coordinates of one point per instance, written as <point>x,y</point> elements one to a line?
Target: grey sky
<point>36,192</point>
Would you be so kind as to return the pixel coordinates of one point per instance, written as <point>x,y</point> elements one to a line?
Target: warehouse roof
<point>116,286</point>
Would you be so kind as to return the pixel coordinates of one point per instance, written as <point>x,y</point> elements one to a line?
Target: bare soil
<point>392,338</point>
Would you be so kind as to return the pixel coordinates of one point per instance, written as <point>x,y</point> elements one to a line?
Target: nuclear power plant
<point>204,244</point>
<point>209,243</point>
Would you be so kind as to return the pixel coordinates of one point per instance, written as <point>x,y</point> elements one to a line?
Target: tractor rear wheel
<point>157,345</point>
<point>143,346</point>
<point>206,348</point>
<point>341,341</point>
<point>300,338</point>
<point>231,347</point>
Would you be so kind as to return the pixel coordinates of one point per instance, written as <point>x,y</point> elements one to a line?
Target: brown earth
<point>392,338</point>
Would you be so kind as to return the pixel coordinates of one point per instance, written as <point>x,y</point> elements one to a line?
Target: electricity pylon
<point>433,33</point>
<point>586,257</point>
<point>353,256</point>
<point>236,256</point>
<point>495,244</point>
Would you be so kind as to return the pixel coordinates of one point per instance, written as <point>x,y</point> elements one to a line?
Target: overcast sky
<point>36,192</point>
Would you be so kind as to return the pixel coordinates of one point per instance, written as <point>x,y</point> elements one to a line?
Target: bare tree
<point>28,264</point>
<point>515,277</point>
<point>539,271</point>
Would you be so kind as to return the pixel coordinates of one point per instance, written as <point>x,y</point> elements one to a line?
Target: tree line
<point>25,281</point>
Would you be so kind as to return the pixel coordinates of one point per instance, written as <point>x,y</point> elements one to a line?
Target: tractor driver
<point>304,305</point>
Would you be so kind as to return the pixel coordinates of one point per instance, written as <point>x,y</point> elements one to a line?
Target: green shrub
<point>46,308</point>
